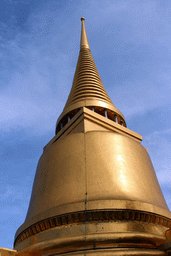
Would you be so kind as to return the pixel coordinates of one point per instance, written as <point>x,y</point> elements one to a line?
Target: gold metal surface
<point>104,170</point>
<point>103,234</point>
<point>97,181</point>
<point>7,252</point>
<point>84,41</point>
<point>95,191</point>
<point>87,88</point>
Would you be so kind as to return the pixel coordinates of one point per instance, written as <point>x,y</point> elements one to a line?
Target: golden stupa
<point>95,191</point>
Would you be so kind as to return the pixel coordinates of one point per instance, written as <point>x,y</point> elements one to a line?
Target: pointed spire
<point>87,88</point>
<point>84,41</point>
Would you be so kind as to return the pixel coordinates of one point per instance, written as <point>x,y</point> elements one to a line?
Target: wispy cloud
<point>37,84</point>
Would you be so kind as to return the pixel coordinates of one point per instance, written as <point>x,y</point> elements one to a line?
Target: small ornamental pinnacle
<point>82,18</point>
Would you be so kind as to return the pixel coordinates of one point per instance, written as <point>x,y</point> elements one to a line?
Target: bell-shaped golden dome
<point>95,190</point>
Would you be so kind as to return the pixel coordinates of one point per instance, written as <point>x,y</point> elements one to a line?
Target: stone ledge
<point>7,252</point>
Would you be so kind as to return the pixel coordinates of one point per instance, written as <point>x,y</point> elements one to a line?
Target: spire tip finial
<point>84,41</point>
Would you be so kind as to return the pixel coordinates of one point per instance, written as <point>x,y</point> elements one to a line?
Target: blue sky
<point>130,41</point>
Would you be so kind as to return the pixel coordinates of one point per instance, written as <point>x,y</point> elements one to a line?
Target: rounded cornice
<point>95,216</point>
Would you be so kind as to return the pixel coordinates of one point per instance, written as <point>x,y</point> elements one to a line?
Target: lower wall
<point>7,252</point>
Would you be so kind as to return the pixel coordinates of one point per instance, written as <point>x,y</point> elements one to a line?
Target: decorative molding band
<point>90,217</point>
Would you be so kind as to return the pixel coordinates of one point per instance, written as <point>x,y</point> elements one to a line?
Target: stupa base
<point>118,251</point>
<point>105,232</point>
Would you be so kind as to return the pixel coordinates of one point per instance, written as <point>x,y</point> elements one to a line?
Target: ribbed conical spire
<point>87,88</point>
